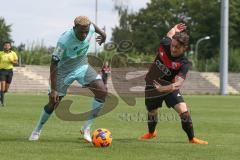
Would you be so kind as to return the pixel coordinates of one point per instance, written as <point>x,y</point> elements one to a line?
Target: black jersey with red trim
<point>165,67</point>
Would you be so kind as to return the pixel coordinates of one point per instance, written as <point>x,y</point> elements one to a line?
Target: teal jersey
<point>71,52</point>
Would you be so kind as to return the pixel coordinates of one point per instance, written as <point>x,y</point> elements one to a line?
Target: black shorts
<point>154,102</point>
<point>6,75</point>
<point>104,78</point>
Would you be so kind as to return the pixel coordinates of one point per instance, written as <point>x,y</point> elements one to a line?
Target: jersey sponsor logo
<point>82,51</point>
<point>163,68</point>
<point>75,48</point>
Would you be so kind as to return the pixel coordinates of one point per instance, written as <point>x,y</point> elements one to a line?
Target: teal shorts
<point>84,75</point>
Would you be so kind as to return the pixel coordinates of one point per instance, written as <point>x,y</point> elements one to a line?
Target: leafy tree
<point>234,21</point>
<point>4,32</point>
<point>123,31</point>
<point>205,21</point>
<point>146,27</point>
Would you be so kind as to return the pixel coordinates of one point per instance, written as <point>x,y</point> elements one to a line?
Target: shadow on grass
<point>13,139</point>
<point>81,142</point>
<point>44,140</point>
<point>155,140</point>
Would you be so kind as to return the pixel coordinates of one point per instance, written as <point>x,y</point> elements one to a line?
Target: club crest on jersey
<point>174,65</point>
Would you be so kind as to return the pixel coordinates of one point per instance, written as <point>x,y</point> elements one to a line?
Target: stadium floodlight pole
<point>96,21</point>
<point>197,44</point>
<point>224,47</point>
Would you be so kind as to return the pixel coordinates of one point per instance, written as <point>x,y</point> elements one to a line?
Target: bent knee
<point>101,92</point>
<point>181,107</point>
<point>153,112</point>
<point>49,108</point>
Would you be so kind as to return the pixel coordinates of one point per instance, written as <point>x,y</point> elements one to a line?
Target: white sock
<point>43,119</point>
<point>96,106</point>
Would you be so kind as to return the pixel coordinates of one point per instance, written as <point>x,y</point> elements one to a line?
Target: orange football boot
<point>197,141</point>
<point>148,135</point>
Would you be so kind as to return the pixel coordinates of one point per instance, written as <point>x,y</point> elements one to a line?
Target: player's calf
<point>188,128</point>
<point>46,113</point>
<point>152,122</point>
<point>187,125</point>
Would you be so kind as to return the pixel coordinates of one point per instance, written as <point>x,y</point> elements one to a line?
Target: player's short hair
<point>82,20</point>
<point>7,42</point>
<point>182,38</point>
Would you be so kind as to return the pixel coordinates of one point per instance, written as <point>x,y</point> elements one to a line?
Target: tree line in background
<point>146,27</point>
<point>5,31</point>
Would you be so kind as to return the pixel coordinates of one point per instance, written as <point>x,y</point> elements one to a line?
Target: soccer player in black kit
<point>164,80</point>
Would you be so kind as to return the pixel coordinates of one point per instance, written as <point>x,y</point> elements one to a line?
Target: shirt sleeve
<point>1,53</point>
<point>91,32</point>
<point>58,52</point>
<point>14,56</point>
<point>92,29</point>
<point>166,41</point>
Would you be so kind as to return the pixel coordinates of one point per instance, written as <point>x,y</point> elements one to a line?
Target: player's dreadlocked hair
<point>81,20</point>
<point>182,38</point>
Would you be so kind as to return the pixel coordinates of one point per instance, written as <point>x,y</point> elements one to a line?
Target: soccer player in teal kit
<point>69,63</point>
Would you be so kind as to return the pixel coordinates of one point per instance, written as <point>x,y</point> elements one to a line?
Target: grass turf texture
<point>215,119</point>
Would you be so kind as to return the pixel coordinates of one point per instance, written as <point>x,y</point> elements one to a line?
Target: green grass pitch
<point>215,119</point>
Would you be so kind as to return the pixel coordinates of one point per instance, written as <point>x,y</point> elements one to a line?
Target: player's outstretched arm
<point>102,38</point>
<point>171,87</point>
<point>177,28</point>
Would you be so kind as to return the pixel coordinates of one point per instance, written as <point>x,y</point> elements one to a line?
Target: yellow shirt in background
<point>6,59</point>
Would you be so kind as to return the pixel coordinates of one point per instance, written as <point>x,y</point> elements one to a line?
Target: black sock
<point>187,124</point>
<point>152,122</point>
